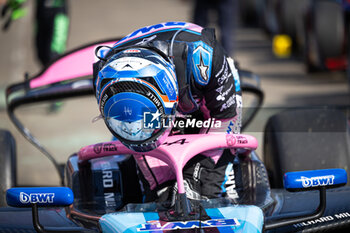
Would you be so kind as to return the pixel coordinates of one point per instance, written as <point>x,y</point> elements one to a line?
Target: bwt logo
<point>36,198</point>
<point>317,181</point>
<point>152,120</point>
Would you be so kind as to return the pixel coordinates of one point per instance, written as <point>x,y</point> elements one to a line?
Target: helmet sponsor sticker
<point>134,63</point>
<point>132,51</point>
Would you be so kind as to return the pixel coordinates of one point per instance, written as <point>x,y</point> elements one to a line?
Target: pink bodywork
<point>73,65</point>
<point>176,151</point>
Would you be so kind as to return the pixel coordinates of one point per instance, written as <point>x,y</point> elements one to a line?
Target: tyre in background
<point>290,17</point>
<point>7,164</point>
<point>305,139</point>
<point>324,34</point>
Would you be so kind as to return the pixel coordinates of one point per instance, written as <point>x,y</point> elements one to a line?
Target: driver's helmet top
<point>137,93</point>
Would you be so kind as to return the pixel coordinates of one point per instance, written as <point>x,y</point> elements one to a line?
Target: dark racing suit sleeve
<point>215,83</point>
<point>222,93</point>
<point>212,173</point>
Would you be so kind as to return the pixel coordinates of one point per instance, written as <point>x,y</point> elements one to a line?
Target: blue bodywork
<point>225,219</point>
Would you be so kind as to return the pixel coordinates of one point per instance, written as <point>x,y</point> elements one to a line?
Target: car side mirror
<point>311,180</point>
<point>35,197</point>
<point>41,196</point>
<point>306,181</point>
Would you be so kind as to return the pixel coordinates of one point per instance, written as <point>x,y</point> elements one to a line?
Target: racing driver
<point>157,75</point>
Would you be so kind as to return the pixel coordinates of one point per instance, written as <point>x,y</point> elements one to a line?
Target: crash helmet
<point>137,93</point>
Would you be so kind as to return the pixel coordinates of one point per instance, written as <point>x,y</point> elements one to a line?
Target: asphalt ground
<point>63,132</point>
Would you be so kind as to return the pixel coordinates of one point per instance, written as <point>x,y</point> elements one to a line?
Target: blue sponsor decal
<point>225,220</point>
<point>229,129</point>
<point>202,62</point>
<point>315,178</point>
<point>48,196</point>
<point>251,218</point>
<point>237,81</point>
<point>156,226</point>
<point>124,222</point>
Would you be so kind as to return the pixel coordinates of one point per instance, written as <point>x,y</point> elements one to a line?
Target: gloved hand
<point>12,10</point>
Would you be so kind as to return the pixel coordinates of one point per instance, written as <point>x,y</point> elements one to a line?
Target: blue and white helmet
<point>137,93</point>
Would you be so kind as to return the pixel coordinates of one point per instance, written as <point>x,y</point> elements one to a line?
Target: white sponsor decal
<point>196,173</point>
<point>317,181</point>
<point>129,63</point>
<point>324,219</point>
<point>231,101</point>
<point>36,198</point>
<point>231,183</point>
<point>203,69</point>
<point>235,73</point>
<point>222,94</point>
<point>127,111</point>
<point>225,74</point>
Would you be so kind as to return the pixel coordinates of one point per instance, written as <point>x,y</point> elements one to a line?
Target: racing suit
<point>209,84</point>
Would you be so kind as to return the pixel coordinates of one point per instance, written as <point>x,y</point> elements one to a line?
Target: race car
<point>276,17</point>
<point>326,35</point>
<point>102,192</point>
<point>318,30</point>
